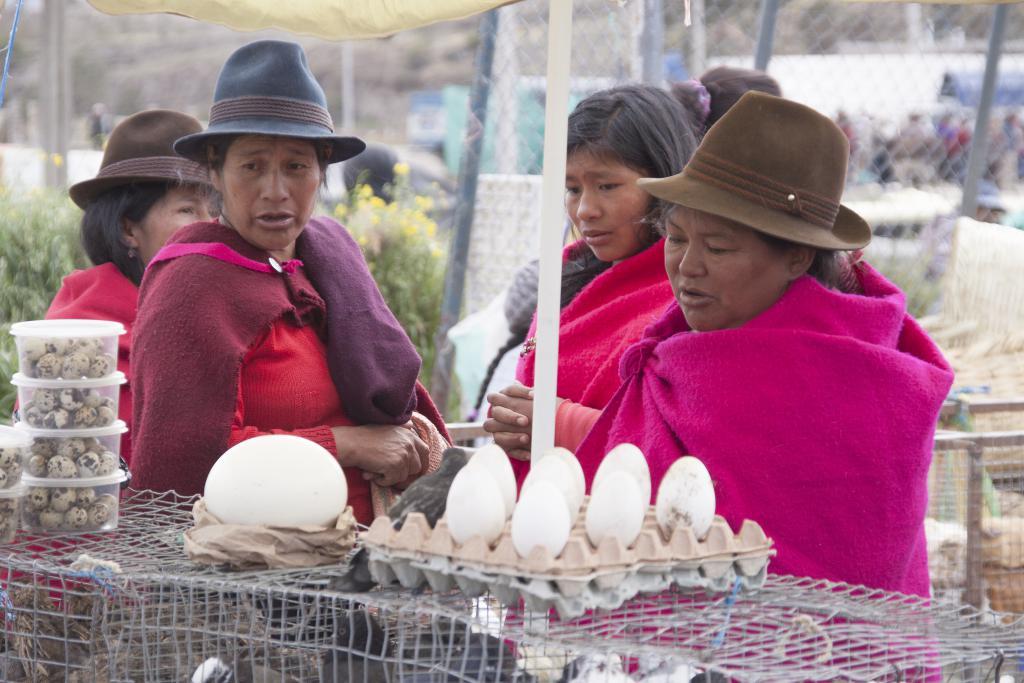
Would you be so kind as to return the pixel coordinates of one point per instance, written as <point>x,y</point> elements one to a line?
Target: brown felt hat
<point>141,149</point>
<point>776,166</point>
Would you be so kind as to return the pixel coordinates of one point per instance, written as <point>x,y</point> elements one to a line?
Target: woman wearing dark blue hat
<point>267,320</point>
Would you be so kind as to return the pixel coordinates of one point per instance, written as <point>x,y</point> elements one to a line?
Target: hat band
<point>156,167</point>
<point>271,107</point>
<point>812,207</point>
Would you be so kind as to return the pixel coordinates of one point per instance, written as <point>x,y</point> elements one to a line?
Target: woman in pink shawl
<point>790,369</point>
<point>612,286</point>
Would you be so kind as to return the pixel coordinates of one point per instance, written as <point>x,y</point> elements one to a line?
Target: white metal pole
<point>556,115</point>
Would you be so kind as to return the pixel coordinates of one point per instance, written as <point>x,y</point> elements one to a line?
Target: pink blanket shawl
<point>816,419</point>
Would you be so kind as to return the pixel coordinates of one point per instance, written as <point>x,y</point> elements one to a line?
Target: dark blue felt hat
<point>266,88</point>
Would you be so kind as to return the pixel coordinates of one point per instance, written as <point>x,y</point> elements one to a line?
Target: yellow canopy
<point>330,19</point>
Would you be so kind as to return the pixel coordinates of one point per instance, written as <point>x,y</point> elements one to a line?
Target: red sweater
<point>104,293</point>
<point>285,387</point>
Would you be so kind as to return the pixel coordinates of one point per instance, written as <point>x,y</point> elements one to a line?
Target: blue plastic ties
<point>730,601</point>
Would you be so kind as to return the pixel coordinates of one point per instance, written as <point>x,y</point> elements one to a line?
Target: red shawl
<point>103,293</point>
<point>816,419</point>
<point>198,317</point>
<point>604,319</point>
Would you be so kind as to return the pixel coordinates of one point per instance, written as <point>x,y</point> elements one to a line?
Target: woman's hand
<point>387,454</point>
<point>511,420</point>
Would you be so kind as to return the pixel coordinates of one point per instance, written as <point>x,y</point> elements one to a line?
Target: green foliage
<point>405,255</point>
<point>39,245</point>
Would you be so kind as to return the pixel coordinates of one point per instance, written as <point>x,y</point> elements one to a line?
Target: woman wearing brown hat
<point>142,194</point>
<point>790,369</point>
<point>267,320</point>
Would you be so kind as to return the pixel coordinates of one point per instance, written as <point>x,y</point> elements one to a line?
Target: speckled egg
<point>92,399</point>
<point>63,498</point>
<point>105,415</point>
<point>57,419</point>
<point>86,417</point>
<point>75,365</point>
<point>88,464</point>
<point>108,464</point>
<point>45,447</point>
<point>32,349</point>
<point>90,346</point>
<point>9,456</point>
<point>14,473</point>
<point>76,517</point>
<point>100,513</point>
<point>51,519</point>
<point>70,399</point>
<point>86,497</point>
<point>71,448</point>
<point>45,399</point>
<point>37,466</point>
<point>60,467</point>
<point>38,498</point>
<point>3,479</point>
<point>49,366</point>
<point>58,346</point>
<point>102,365</point>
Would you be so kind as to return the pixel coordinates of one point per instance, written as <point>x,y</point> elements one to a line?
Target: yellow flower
<point>435,252</point>
<point>362,240</point>
<point>375,219</point>
<point>424,203</point>
<point>340,212</point>
<point>431,229</point>
<point>57,159</point>
<point>377,202</point>
<point>409,230</point>
<point>364,192</point>
<point>401,169</point>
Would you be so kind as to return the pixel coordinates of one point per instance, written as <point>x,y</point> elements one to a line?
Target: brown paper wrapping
<point>263,547</point>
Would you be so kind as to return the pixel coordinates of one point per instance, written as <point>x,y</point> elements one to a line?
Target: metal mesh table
<point>161,616</point>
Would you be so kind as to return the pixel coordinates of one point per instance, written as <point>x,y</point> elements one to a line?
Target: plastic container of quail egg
<point>67,349</point>
<point>10,511</point>
<point>63,506</point>
<point>72,453</point>
<point>69,403</point>
<point>15,450</point>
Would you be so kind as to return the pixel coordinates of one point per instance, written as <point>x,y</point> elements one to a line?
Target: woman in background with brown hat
<point>267,320</point>
<point>791,369</point>
<point>142,194</point>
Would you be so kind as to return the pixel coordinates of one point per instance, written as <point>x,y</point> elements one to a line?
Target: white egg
<point>540,519</point>
<point>494,459</point>
<point>475,506</point>
<point>556,472</point>
<point>629,458</point>
<point>686,496</point>
<point>276,480</point>
<point>573,464</point>
<point>616,509</point>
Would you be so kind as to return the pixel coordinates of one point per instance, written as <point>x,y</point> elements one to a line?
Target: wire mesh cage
<point>140,611</point>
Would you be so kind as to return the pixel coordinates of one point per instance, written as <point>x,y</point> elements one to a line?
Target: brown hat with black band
<point>141,149</point>
<point>776,166</point>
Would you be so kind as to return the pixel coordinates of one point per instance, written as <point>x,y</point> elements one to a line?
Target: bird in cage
<point>427,495</point>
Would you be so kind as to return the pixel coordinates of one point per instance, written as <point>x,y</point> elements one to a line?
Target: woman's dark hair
<point>102,226</point>
<point>725,85</point>
<point>639,126</point>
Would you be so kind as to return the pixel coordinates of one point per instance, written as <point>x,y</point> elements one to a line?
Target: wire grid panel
<point>161,617</point>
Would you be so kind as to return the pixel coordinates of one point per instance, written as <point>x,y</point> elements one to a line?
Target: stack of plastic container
<point>68,390</point>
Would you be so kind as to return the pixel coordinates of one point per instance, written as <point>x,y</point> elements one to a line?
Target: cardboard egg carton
<point>581,577</point>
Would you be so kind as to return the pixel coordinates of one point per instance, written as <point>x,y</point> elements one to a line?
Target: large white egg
<point>616,509</point>
<point>628,458</point>
<point>494,459</point>
<point>540,519</point>
<point>556,472</point>
<point>686,497</point>
<point>475,506</point>
<point>570,460</point>
<point>276,480</point>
